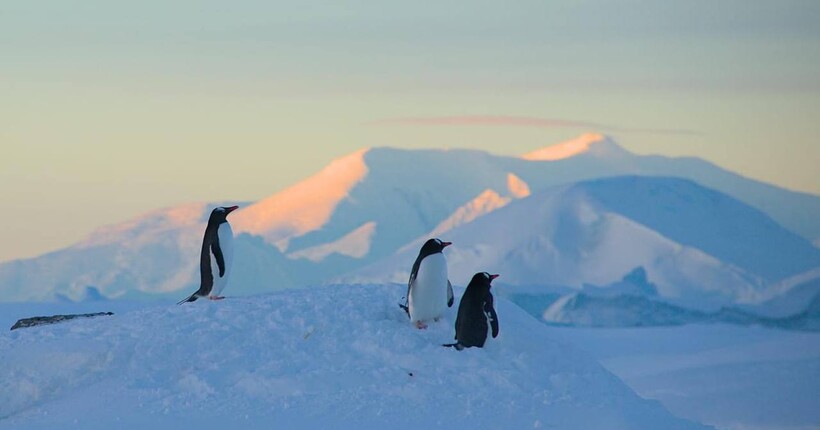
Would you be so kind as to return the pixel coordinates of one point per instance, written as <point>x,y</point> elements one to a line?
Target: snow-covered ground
<point>332,357</point>
<point>732,377</point>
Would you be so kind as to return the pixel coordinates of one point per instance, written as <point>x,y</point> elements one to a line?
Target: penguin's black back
<point>475,310</point>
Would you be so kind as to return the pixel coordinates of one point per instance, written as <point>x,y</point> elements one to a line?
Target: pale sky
<point>111,109</point>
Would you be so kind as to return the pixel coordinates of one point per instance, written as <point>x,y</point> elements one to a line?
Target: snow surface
<point>732,377</point>
<point>334,357</point>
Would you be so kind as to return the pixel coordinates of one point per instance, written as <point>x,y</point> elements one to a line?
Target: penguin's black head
<point>219,214</point>
<point>483,279</point>
<point>433,246</point>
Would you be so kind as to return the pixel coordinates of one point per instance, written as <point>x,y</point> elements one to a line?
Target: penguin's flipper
<point>494,322</point>
<point>489,310</point>
<point>458,321</point>
<point>410,284</point>
<point>220,259</point>
<point>413,273</point>
<point>406,305</point>
<point>450,297</point>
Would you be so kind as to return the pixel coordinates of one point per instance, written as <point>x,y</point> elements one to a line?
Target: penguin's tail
<point>190,298</point>
<point>456,345</point>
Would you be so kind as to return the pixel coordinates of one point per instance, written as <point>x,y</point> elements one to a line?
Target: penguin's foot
<point>421,325</point>
<point>456,345</point>
<point>435,319</point>
<point>216,297</point>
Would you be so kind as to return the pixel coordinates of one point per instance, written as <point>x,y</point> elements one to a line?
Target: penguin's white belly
<point>428,295</point>
<point>226,244</point>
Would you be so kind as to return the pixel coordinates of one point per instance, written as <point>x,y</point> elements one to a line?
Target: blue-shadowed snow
<point>334,357</point>
<point>733,377</point>
<point>570,236</point>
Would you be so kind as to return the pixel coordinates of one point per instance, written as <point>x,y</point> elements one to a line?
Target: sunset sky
<point>111,109</point>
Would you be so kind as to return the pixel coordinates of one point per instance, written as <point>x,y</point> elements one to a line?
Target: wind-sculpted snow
<point>334,357</point>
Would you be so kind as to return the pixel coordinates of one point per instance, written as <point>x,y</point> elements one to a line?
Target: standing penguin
<point>476,314</point>
<point>428,289</point>
<point>216,257</point>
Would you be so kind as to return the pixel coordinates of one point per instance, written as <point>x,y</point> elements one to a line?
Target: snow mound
<point>334,357</point>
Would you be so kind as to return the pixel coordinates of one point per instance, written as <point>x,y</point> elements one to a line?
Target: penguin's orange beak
<point>446,244</point>
<point>231,209</point>
<point>493,277</point>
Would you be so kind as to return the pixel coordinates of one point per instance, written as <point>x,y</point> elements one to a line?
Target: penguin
<point>428,289</point>
<point>216,257</point>
<point>476,315</point>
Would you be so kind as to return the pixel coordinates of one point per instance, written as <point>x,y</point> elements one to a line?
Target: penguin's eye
<point>438,241</point>
<point>220,209</point>
<point>486,275</point>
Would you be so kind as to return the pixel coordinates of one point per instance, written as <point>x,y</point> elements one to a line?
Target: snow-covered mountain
<point>625,310</point>
<point>790,295</point>
<point>334,357</point>
<point>151,254</point>
<point>697,246</point>
<point>370,204</point>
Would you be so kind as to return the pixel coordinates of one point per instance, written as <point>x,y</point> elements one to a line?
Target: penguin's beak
<point>231,209</point>
<point>493,277</point>
<point>446,244</point>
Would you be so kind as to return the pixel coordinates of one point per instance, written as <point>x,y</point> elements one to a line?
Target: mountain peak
<point>305,206</point>
<point>593,143</point>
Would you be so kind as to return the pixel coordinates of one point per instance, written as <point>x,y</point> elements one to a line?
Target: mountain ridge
<point>386,199</point>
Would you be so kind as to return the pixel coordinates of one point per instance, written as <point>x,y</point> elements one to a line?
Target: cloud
<point>522,121</point>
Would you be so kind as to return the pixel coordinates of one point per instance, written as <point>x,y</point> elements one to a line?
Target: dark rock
<point>54,319</point>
